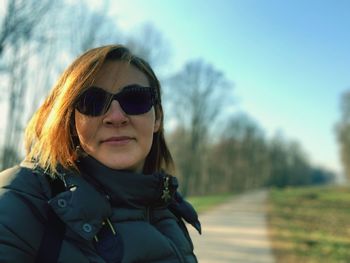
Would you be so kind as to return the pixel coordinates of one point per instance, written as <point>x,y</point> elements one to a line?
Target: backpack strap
<point>107,243</point>
<point>54,228</point>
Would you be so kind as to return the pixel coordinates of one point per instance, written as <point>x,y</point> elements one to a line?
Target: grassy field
<point>204,203</point>
<point>310,224</point>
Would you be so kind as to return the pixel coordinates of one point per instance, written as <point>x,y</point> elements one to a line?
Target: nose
<point>115,116</point>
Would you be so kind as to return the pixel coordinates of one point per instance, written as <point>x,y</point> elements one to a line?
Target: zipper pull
<point>166,192</point>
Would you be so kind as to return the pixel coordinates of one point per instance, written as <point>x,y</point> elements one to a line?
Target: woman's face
<point>116,139</point>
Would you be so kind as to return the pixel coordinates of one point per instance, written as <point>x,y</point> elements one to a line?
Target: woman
<point>94,186</point>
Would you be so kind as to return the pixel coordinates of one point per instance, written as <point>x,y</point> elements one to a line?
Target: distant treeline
<point>242,158</point>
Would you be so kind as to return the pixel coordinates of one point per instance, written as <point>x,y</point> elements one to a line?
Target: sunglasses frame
<point>110,97</point>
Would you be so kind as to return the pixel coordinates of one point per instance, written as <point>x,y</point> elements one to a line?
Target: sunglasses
<point>133,99</point>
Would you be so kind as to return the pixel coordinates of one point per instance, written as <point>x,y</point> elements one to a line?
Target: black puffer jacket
<point>148,224</point>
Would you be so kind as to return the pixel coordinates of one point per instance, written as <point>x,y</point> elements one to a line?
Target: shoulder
<point>23,179</point>
<point>23,202</point>
<point>184,210</point>
<point>23,197</point>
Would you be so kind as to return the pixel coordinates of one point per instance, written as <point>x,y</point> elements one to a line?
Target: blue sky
<point>289,60</point>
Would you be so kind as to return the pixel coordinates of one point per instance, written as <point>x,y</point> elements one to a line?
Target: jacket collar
<point>128,188</point>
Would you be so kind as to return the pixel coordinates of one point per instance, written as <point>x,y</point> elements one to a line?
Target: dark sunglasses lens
<point>134,102</point>
<point>93,102</point>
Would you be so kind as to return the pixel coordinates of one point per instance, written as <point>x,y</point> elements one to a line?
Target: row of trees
<point>214,152</point>
<point>242,158</point>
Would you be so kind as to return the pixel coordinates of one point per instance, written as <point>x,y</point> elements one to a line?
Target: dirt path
<point>235,232</point>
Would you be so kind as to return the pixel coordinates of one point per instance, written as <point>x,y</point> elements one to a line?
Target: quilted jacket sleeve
<point>22,214</point>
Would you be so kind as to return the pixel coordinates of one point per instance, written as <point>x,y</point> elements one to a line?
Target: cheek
<point>86,128</point>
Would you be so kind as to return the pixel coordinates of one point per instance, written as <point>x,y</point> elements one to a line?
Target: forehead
<point>115,75</point>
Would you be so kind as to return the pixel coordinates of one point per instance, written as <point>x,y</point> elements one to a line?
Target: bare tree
<point>149,43</point>
<point>17,35</point>
<point>20,19</point>
<point>199,92</point>
<point>90,28</point>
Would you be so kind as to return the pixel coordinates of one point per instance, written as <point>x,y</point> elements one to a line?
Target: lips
<point>118,140</point>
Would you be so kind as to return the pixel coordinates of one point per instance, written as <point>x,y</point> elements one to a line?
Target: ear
<point>157,125</point>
